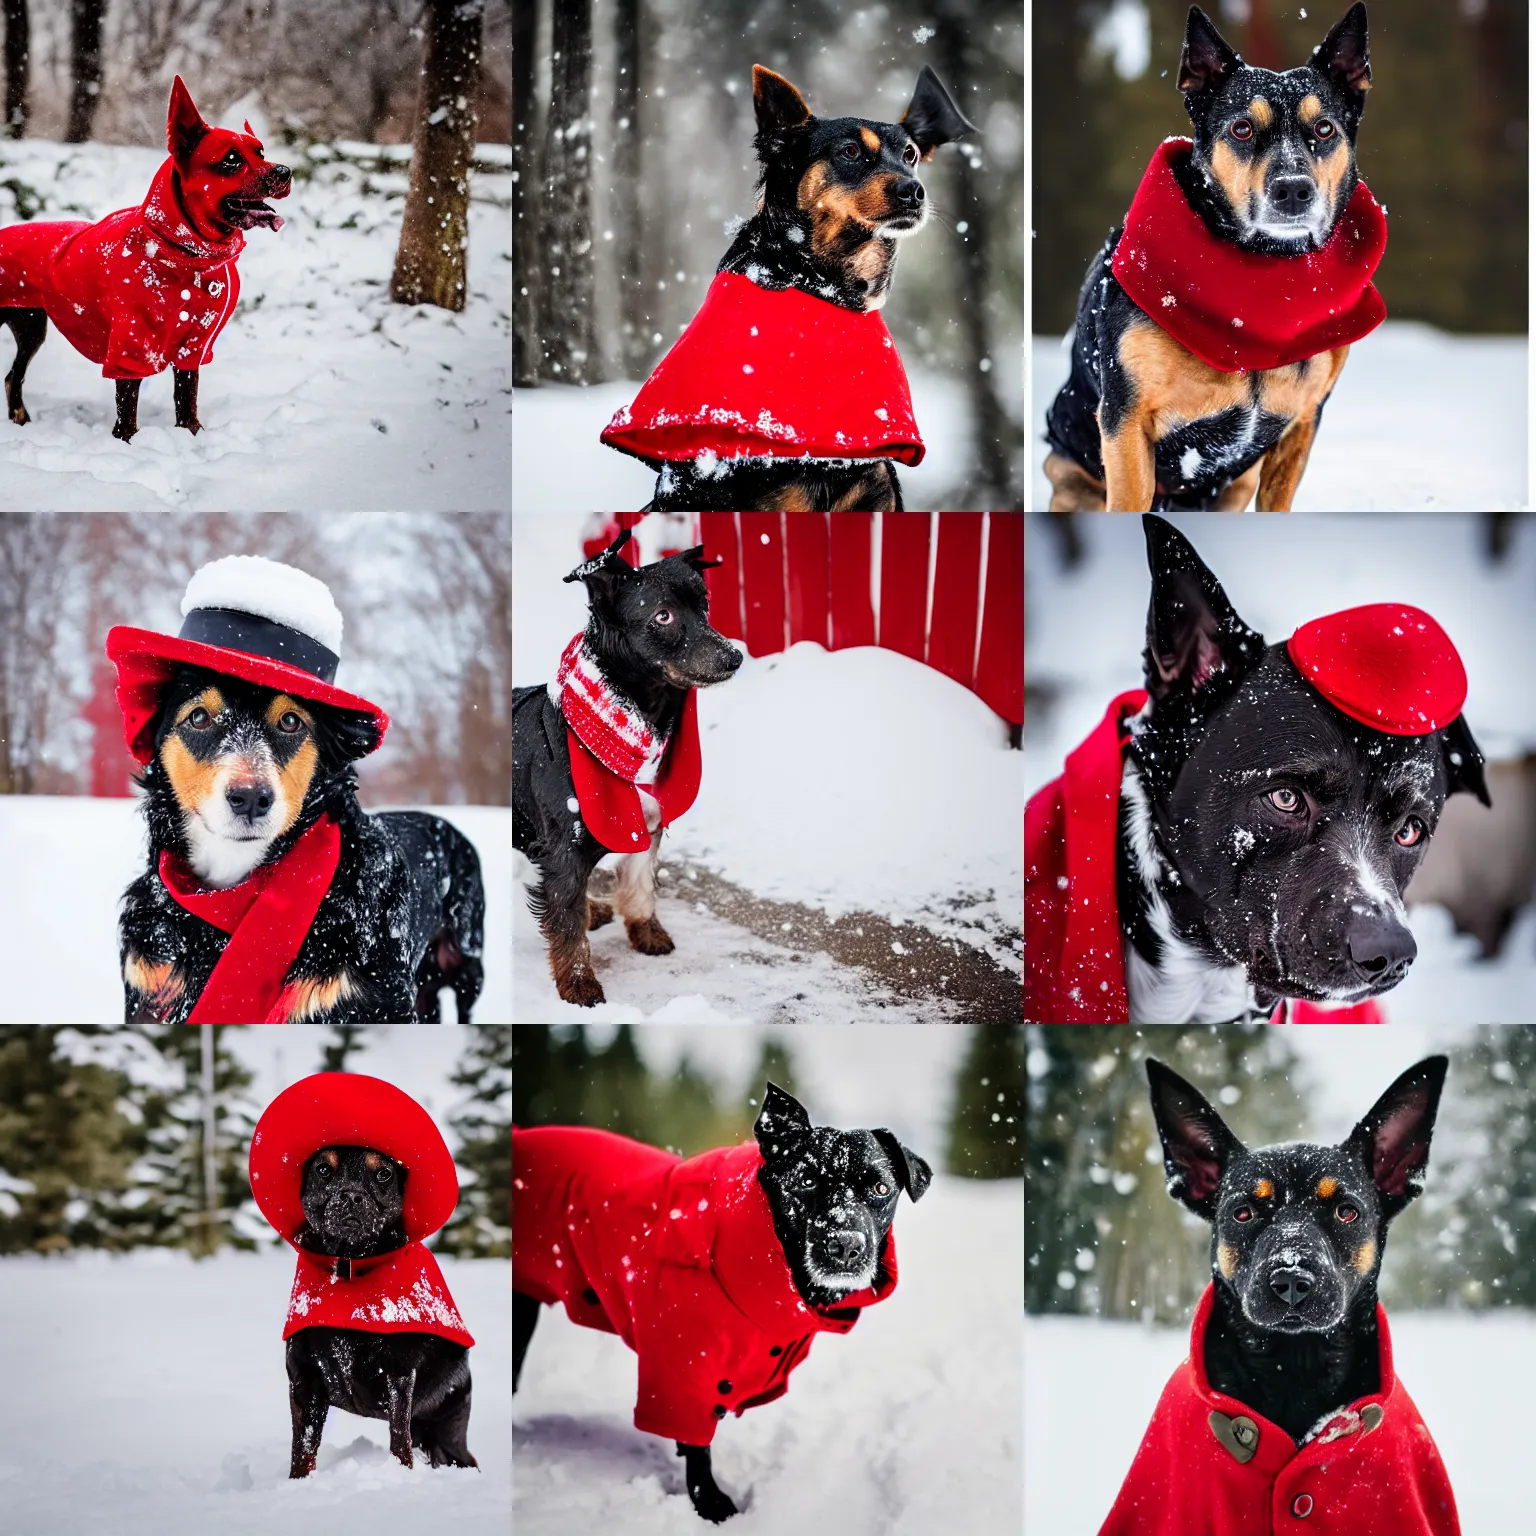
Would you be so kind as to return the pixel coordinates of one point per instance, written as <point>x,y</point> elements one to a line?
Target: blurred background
<point>634,157</point>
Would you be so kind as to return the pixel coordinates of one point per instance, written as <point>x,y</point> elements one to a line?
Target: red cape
<point>399,1292</point>
<point>138,292</point>
<point>1372,1470</point>
<point>679,1259</point>
<point>1233,308</point>
<point>780,374</point>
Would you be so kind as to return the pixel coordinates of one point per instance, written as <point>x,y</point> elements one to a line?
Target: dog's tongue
<point>268,217</point>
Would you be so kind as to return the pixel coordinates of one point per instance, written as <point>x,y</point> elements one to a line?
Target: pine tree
<point>986,1120</point>
<point>481,1226</point>
<point>342,1042</point>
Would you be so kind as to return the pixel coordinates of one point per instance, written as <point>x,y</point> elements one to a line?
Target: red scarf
<point>138,292</point>
<point>399,1292</point>
<point>1233,308</point>
<point>615,753</point>
<point>777,374</point>
<point>267,916</point>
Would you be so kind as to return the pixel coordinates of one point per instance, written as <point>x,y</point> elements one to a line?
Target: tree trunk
<point>634,331</point>
<point>87,16</point>
<point>525,177</point>
<point>208,1080</point>
<point>565,297</point>
<point>18,51</point>
<point>430,264</point>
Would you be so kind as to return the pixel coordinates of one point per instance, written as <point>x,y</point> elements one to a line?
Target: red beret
<point>346,1109</point>
<point>1386,665</point>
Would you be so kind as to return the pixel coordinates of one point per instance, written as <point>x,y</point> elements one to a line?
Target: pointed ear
<point>777,103</point>
<point>605,567</point>
<point>1394,1137</point>
<point>933,119</point>
<point>1197,1146</point>
<point>695,558</point>
<point>250,132</point>
<point>1194,636</point>
<point>1208,58</point>
<point>184,125</point>
<point>1463,761</point>
<point>1345,54</point>
<point>782,1122</point>
<point>914,1173</point>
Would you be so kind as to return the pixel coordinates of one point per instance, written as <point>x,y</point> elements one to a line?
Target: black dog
<point>650,635</point>
<point>1142,421</point>
<point>1298,1233</point>
<point>353,1197</point>
<point>838,193</point>
<point>1266,838</point>
<point>240,773</point>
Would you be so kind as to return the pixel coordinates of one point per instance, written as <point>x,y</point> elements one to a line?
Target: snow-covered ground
<point>1085,629</point>
<point>65,862</point>
<point>148,1397</point>
<point>322,394</point>
<point>1421,420</point>
<point>909,1426</point>
<point>1090,1388</point>
<point>558,464</point>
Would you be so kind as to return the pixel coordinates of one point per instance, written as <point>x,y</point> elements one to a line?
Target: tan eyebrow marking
<point>333,1158</point>
<point>1263,1189</point>
<point>1310,110</point>
<point>1262,113</point>
<point>870,137</point>
<point>1327,1186</point>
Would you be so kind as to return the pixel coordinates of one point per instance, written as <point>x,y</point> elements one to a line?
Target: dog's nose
<point>281,178</point>
<point>1381,948</point>
<point>1292,194</point>
<point>1292,1286</point>
<point>249,802</point>
<point>733,658</point>
<point>844,1246</point>
<point>909,193</point>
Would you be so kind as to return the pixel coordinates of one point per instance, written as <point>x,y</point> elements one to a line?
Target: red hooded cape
<point>398,1292</point>
<point>679,1259</point>
<point>138,292</point>
<point>778,374</point>
<point>1233,308</point>
<point>1210,1466</point>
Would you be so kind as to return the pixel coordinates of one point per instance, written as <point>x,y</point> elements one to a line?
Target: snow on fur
<point>271,590</point>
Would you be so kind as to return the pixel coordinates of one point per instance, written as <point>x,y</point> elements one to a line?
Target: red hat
<point>245,617</point>
<point>347,1109</point>
<point>1387,665</point>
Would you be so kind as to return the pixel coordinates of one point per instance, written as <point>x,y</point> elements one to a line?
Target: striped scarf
<point>606,723</point>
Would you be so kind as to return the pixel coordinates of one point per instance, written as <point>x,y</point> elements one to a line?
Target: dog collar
<point>1236,309</point>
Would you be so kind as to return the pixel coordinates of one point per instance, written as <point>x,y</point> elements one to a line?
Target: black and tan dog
<point>1143,421</point>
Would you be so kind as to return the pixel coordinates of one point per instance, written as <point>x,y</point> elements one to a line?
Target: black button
<point>719,1411</point>
<point>725,1388</point>
<point>776,1350</point>
<point>589,1296</point>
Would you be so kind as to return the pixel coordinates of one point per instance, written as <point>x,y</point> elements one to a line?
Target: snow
<point>1091,1387</point>
<point>80,855</point>
<point>1420,420</point>
<point>907,1426</point>
<point>282,593</point>
<point>157,1405</point>
<point>322,394</point>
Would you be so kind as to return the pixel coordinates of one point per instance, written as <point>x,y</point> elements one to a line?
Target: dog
<point>1239,835</point>
<point>239,774</point>
<point>647,646</point>
<point>1204,385</point>
<point>838,195</point>
<point>1288,1404</point>
<point>150,287</point>
<point>353,1203</point>
<point>765,1246</point>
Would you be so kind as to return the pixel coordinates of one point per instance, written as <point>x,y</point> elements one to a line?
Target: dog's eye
<point>1287,800</point>
<point>663,616</point>
<point>383,1175</point>
<point>1243,1213</point>
<point>909,154</point>
<point>1410,834</point>
<point>230,163</point>
<point>1242,130</point>
<point>851,151</point>
<point>1347,1214</point>
<point>1323,129</point>
<point>289,723</point>
<point>323,1169</point>
<point>199,719</point>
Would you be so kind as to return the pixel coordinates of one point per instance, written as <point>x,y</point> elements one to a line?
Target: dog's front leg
<point>308,1403</point>
<point>635,898</point>
<point>561,905</point>
<point>127,409</point>
<point>1130,468</point>
<point>186,399</point>
<point>402,1393</point>
<point>1285,464</point>
<point>706,1494</point>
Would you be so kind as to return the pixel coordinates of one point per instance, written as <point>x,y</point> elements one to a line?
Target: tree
<point>18,63</point>
<point>481,1226</point>
<point>85,38</point>
<point>342,1042</point>
<point>628,137</point>
<point>986,1120</point>
<point>430,264</point>
<point>526,262</point>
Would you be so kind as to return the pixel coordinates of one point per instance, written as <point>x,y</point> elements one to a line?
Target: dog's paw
<point>194,426</point>
<point>123,435</point>
<point>582,988</point>
<point>713,1504</point>
<point>599,913</point>
<point>19,416</point>
<point>650,938</point>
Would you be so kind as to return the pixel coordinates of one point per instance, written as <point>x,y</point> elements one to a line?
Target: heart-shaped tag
<point>1371,1416</point>
<point>1239,1436</point>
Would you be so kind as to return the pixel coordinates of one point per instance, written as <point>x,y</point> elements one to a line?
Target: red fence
<point>946,588</point>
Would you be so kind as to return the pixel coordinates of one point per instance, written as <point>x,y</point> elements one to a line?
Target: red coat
<point>779,374</point>
<point>399,1292</point>
<point>138,292</point>
<point>679,1259</point>
<point>1232,307</point>
<point>1372,1470</point>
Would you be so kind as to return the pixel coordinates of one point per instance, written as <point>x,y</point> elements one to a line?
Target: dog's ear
<point>250,132</point>
<point>1345,56</point>
<point>913,1171</point>
<point>1394,1137</point>
<point>782,1122</point>
<point>1208,58</point>
<point>1463,760</point>
<point>776,102</point>
<point>605,569</point>
<point>933,119</point>
<point>346,734</point>
<point>1197,1146</point>
<point>184,125</point>
<point>695,558</point>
